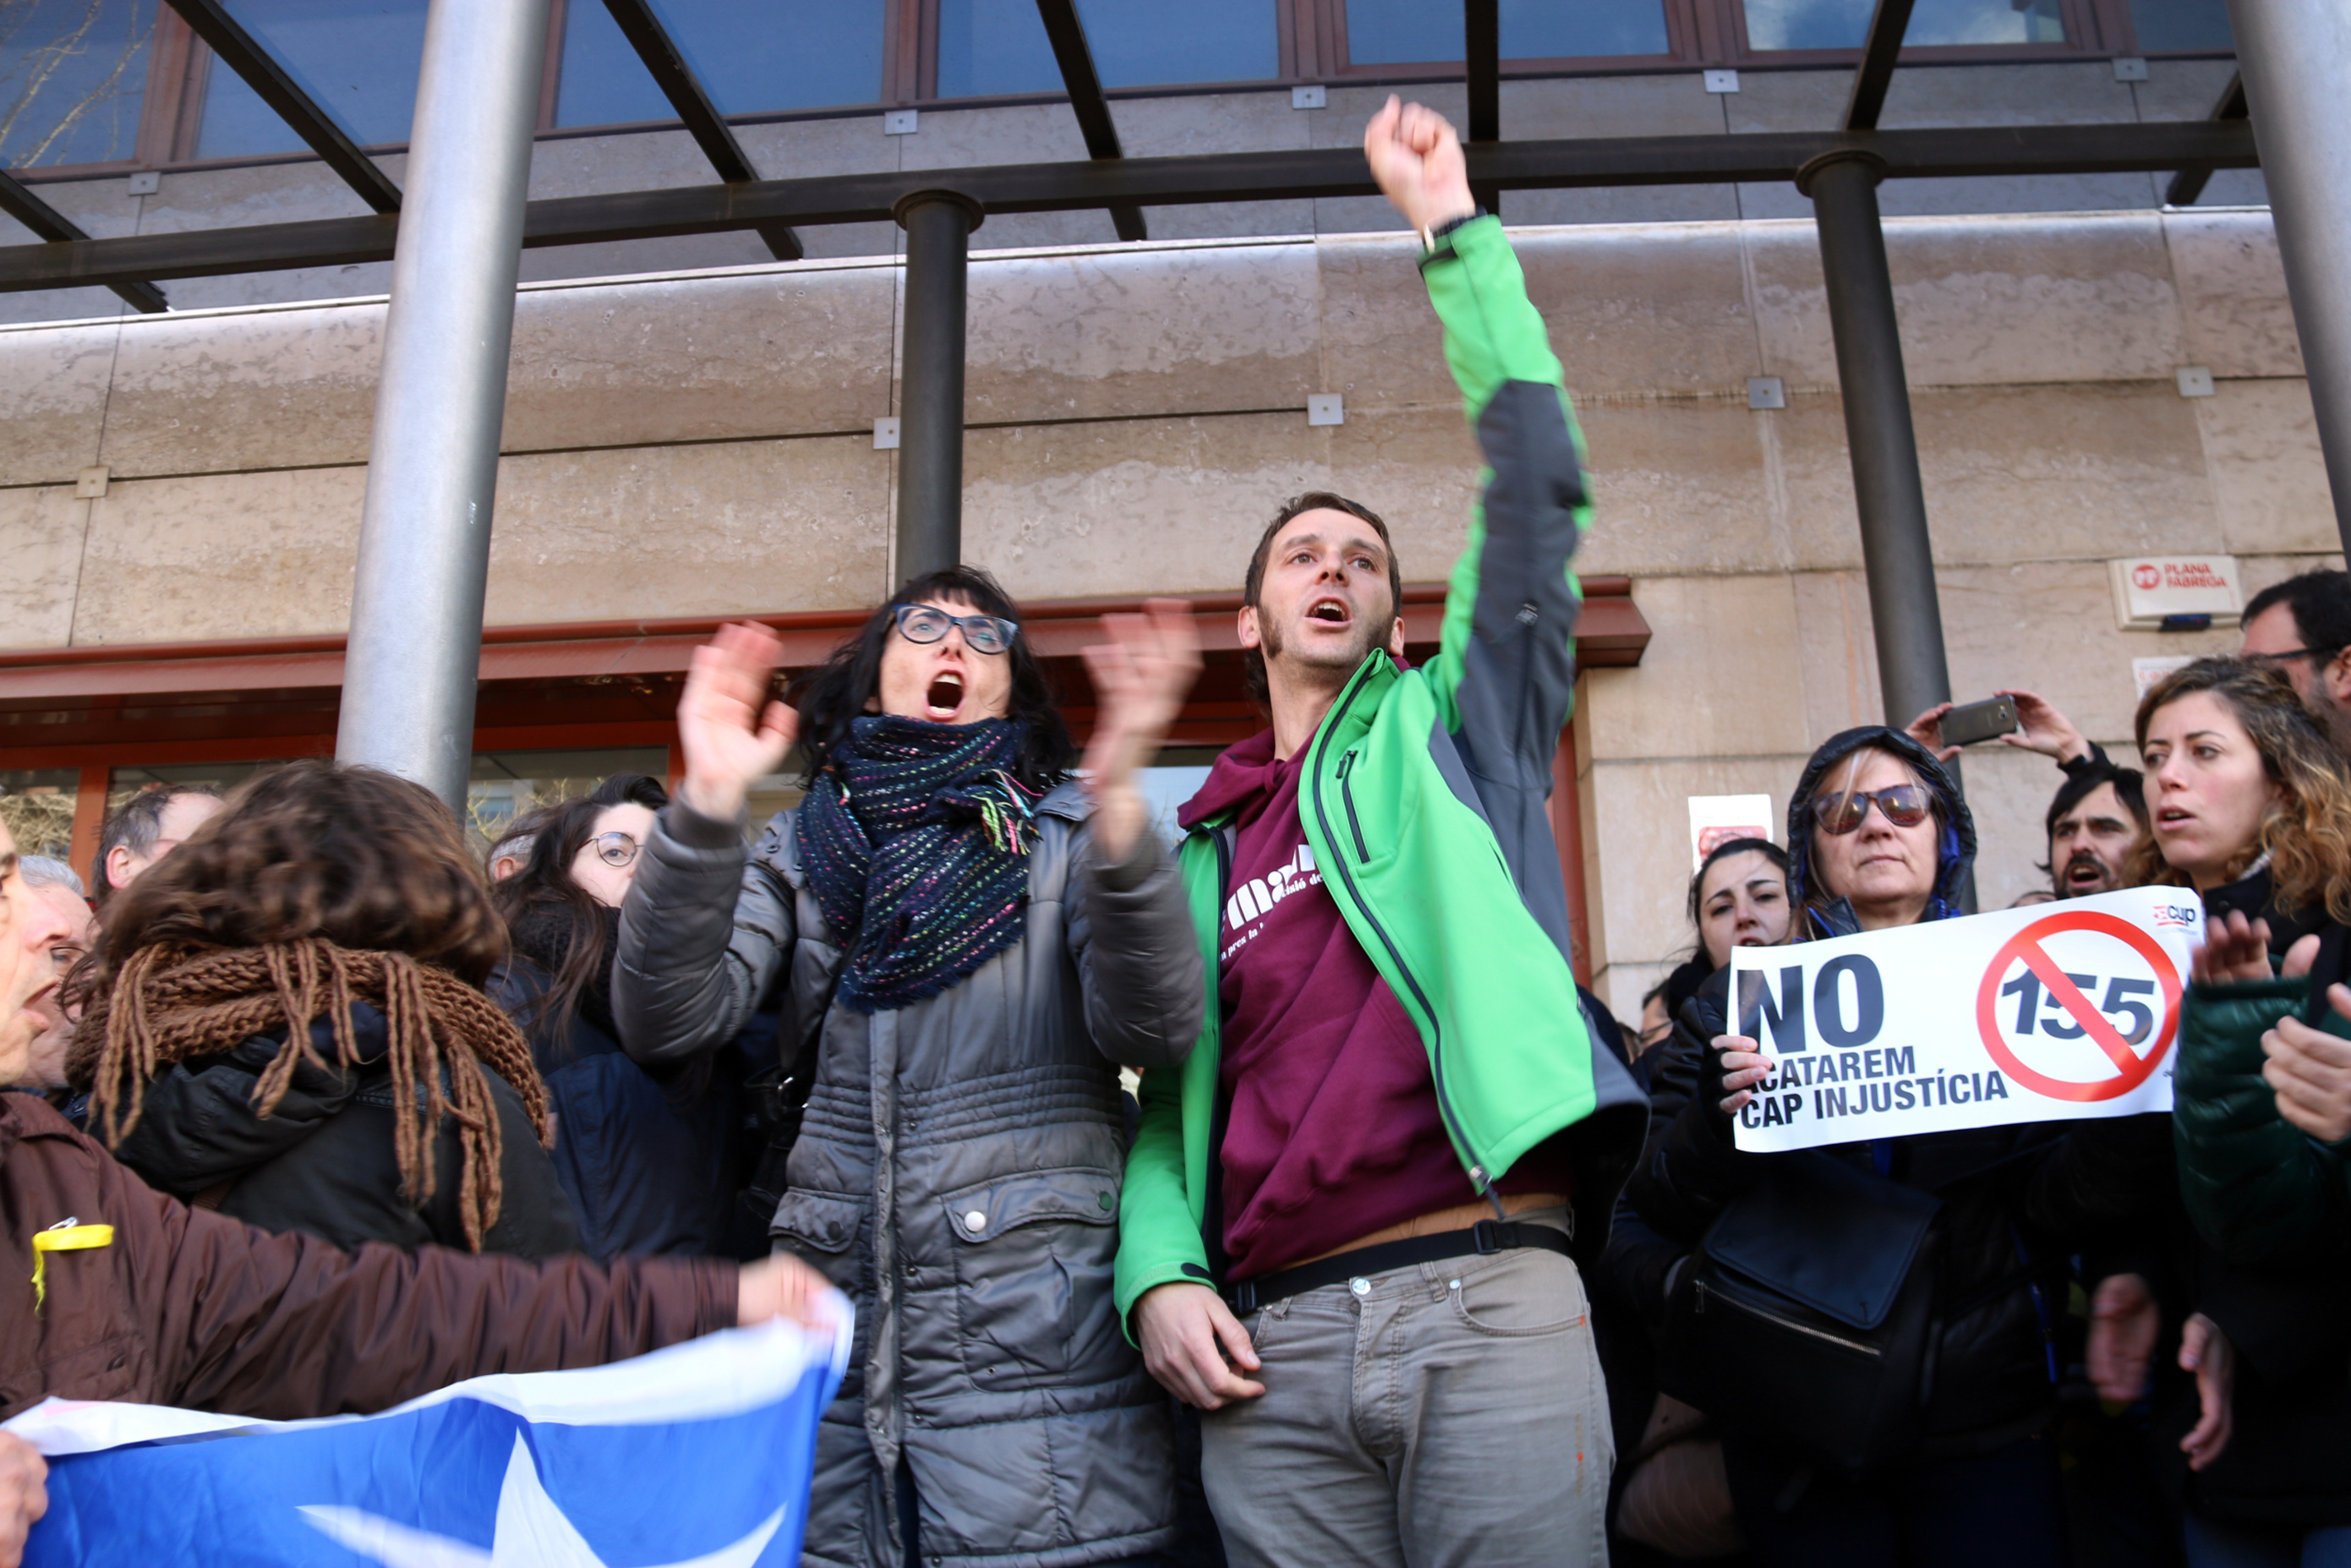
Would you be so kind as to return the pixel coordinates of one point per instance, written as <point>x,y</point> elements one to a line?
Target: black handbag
<point>1807,1316</point>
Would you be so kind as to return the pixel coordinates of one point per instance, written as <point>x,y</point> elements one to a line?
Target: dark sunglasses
<point>981,633</point>
<point>1904,805</point>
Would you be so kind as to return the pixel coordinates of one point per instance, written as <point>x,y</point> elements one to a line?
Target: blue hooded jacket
<point>1954,856</point>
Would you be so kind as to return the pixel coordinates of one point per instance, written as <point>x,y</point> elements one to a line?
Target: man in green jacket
<point>1371,1181</point>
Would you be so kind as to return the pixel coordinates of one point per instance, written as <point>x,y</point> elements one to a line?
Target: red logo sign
<point>2147,575</point>
<point>2081,1014</point>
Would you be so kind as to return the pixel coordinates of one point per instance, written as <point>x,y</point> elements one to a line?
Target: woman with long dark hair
<point>965,942</point>
<point>645,1157</point>
<point>1738,898</point>
<point>2249,807</point>
<point>286,1022</point>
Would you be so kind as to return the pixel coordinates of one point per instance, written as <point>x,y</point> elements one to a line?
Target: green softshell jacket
<point>1424,800</point>
<point>2259,1188</point>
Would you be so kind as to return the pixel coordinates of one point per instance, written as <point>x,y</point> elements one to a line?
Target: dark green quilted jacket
<point>2258,1187</point>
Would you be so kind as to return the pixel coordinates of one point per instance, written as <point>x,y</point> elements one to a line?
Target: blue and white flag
<point>697,1455</point>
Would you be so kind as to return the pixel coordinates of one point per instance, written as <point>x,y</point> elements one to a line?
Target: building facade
<point>695,430</point>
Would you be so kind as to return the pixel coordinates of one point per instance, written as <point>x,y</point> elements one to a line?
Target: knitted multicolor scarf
<point>915,842</point>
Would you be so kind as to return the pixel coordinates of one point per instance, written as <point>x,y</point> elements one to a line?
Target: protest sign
<point>2045,1013</point>
<point>699,1456</point>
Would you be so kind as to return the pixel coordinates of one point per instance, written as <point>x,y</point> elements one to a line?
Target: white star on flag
<point>531,1532</point>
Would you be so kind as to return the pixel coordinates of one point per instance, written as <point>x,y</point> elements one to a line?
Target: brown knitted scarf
<point>173,1003</point>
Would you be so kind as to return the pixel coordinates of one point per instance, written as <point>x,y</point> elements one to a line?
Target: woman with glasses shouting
<point>645,1153</point>
<point>1879,837</point>
<point>963,943</point>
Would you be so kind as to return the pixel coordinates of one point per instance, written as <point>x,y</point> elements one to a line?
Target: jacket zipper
<point>1479,1180</point>
<point>1735,1305</point>
<point>1347,798</point>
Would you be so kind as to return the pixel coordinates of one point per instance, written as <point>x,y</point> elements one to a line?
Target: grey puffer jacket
<point>957,1173</point>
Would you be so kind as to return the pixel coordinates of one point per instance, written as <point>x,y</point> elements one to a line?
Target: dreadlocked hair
<point>171,1004</point>
<point>320,885</point>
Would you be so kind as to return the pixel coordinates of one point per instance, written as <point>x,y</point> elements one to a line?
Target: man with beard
<point>2099,817</point>
<point>1353,1215</point>
<point>2301,629</point>
<point>2100,811</point>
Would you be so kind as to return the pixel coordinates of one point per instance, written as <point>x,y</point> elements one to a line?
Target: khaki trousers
<point>1441,1415</point>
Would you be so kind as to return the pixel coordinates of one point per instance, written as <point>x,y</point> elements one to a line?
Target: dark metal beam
<point>2188,183</point>
<point>242,53</point>
<point>1891,20</point>
<point>1481,28</point>
<point>1940,152</point>
<point>676,77</point>
<point>46,220</point>
<point>1076,57</point>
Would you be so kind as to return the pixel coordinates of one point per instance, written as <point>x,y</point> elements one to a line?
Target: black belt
<point>1483,1238</point>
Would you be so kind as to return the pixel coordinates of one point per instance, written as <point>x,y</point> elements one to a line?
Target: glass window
<point>992,46</point>
<point>505,784</point>
<point>38,805</point>
<point>758,55</point>
<point>1400,32</point>
<point>1845,24</point>
<point>999,45</point>
<point>73,77</point>
<point>2181,24</point>
<point>1142,43</point>
<point>356,58</point>
<point>600,80</point>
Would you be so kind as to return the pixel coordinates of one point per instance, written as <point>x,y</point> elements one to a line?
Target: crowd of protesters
<point>1397,1248</point>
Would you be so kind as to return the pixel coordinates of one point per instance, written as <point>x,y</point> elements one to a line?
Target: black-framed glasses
<point>1904,805</point>
<point>2278,660</point>
<point>615,849</point>
<point>981,633</point>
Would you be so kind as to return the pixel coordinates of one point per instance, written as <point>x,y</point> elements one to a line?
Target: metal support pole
<point>938,226</point>
<point>1904,609</point>
<point>433,463</point>
<point>1903,605</point>
<point>2292,54</point>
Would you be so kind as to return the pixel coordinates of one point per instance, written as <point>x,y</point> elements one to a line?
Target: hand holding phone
<point>1971,722</point>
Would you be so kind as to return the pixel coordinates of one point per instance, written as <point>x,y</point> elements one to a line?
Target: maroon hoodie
<point>1333,1129</point>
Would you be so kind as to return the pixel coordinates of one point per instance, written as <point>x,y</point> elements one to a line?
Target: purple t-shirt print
<point>1333,1130</point>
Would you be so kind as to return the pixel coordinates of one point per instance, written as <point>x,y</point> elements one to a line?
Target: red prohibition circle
<point>2102,1032</point>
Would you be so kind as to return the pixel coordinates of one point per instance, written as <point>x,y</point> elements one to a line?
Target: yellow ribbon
<point>64,1236</point>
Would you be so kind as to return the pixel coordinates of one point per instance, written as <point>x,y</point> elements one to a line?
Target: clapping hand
<point>732,733</point>
<point>2234,949</point>
<point>2311,1069</point>
<point>1140,678</point>
<point>2237,949</point>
